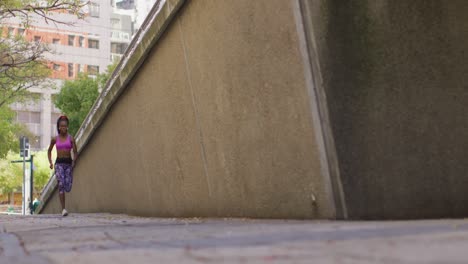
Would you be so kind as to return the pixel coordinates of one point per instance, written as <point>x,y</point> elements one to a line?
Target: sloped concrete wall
<point>216,122</point>
<point>258,108</point>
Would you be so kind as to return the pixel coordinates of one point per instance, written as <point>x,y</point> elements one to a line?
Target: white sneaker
<point>64,212</point>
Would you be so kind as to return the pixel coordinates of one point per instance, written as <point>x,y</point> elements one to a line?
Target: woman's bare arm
<point>49,152</point>
<point>75,152</point>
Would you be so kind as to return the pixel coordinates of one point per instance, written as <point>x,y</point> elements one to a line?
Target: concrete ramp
<point>209,114</point>
<point>282,109</point>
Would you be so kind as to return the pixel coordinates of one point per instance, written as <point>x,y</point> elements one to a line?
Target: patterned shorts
<point>64,175</point>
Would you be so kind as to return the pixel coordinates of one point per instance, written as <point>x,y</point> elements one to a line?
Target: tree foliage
<point>22,66</point>
<point>8,132</point>
<point>75,99</point>
<point>29,10</point>
<point>22,63</point>
<point>11,175</point>
<point>78,96</point>
<point>42,170</point>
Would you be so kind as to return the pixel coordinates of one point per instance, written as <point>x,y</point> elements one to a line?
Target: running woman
<point>64,164</point>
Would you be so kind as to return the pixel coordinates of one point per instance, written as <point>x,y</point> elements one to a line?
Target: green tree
<point>104,77</point>
<point>42,171</point>
<point>22,63</point>
<point>11,175</point>
<point>28,10</point>
<point>75,99</point>
<point>8,132</point>
<point>20,71</point>
<point>78,96</point>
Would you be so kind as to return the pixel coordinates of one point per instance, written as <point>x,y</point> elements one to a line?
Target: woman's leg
<point>60,170</point>
<point>67,181</point>
<point>62,199</point>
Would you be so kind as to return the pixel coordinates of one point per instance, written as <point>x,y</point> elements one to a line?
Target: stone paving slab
<point>107,238</point>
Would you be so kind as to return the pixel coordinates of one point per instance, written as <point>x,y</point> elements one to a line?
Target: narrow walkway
<point>106,238</point>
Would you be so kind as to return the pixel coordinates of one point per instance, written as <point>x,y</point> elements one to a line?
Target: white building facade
<point>85,46</point>
<point>78,46</point>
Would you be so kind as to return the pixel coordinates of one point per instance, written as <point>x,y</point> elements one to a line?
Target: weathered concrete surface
<point>394,75</point>
<point>286,109</point>
<point>104,238</point>
<point>216,122</point>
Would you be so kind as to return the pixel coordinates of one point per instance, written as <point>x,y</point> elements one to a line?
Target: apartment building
<point>136,9</point>
<point>77,46</point>
<point>121,34</point>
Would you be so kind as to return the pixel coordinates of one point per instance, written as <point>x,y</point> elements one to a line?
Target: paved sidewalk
<point>105,238</point>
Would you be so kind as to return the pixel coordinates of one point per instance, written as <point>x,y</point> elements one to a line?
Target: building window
<point>71,40</point>
<point>35,117</point>
<point>115,57</point>
<point>118,48</point>
<point>11,31</point>
<point>54,116</point>
<point>94,9</point>
<point>126,4</point>
<point>70,69</point>
<point>21,31</point>
<point>22,117</point>
<point>80,68</point>
<point>93,43</point>
<point>81,41</point>
<point>93,70</point>
<point>115,21</point>
<point>55,41</point>
<point>57,67</point>
<point>37,38</point>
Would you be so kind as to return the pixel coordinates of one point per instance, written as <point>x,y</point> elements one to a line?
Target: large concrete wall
<point>216,122</point>
<point>253,108</point>
<point>395,76</point>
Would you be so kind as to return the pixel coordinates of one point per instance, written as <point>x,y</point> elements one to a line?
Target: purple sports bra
<point>67,145</point>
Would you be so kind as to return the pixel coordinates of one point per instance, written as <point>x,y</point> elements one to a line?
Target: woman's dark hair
<point>61,118</point>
